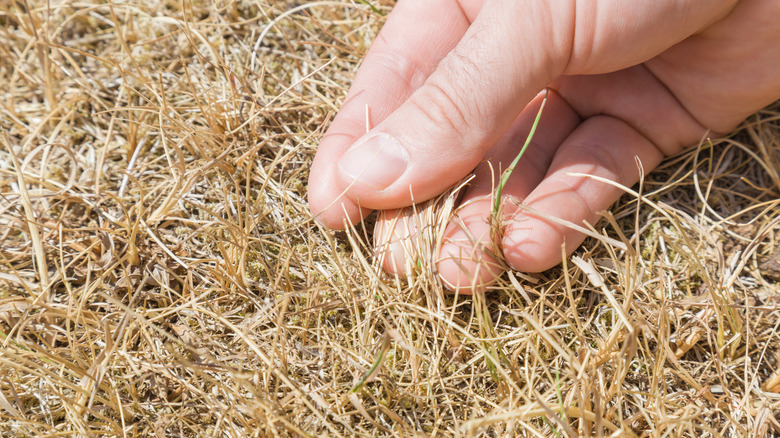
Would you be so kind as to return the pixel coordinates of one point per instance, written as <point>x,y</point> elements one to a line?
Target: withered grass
<point>160,274</point>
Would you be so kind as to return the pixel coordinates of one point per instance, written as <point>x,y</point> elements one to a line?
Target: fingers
<point>469,257</point>
<point>446,126</point>
<point>416,36</point>
<point>601,146</point>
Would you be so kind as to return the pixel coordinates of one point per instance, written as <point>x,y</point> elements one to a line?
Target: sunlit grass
<point>160,273</point>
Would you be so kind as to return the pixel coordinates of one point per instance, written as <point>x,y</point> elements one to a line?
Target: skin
<point>456,84</point>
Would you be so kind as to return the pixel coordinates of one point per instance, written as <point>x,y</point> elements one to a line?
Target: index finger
<point>415,38</point>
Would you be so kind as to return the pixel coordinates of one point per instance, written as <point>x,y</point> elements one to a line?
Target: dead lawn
<point>160,274</point>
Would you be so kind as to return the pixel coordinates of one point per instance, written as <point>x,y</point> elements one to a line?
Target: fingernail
<point>376,160</point>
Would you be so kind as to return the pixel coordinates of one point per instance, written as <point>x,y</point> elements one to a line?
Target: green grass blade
<point>508,172</point>
<point>374,370</point>
<point>373,8</point>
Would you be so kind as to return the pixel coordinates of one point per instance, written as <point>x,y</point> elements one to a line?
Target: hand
<point>452,89</point>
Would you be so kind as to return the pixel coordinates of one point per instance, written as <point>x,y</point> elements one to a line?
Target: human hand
<point>451,85</point>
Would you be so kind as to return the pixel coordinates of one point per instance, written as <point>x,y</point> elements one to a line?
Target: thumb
<point>511,52</point>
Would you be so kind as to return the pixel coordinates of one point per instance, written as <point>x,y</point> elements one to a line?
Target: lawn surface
<point>160,274</point>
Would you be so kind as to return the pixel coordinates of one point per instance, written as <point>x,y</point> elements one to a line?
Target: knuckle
<point>405,69</point>
<point>604,155</point>
<point>442,110</point>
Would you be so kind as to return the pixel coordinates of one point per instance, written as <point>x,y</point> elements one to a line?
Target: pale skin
<point>452,88</point>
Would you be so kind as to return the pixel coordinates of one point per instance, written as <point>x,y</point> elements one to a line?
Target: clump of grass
<point>202,300</point>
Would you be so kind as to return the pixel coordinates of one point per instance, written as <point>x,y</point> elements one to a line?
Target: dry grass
<point>160,274</point>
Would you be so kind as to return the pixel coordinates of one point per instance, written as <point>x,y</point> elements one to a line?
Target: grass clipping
<point>160,274</point>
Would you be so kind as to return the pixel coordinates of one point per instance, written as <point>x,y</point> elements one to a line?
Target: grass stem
<point>508,172</point>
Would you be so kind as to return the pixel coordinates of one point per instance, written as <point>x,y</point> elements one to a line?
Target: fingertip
<point>467,260</point>
<point>337,217</point>
<point>532,244</point>
<point>467,270</point>
<point>529,248</point>
<point>393,241</point>
<point>331,210</point>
